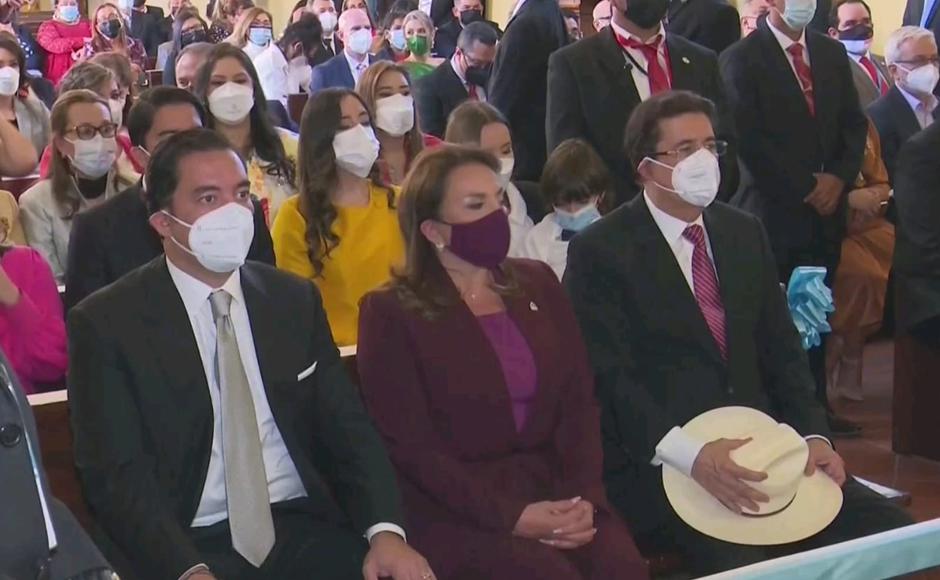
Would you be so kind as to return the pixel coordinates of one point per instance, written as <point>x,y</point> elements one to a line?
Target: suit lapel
<point>777,60</point>
<point>675,7</point>
<point>682,67</point>
<point>456,91</point>
<point>822,95</point>
<point>907,120</point>
<point>614,65</point>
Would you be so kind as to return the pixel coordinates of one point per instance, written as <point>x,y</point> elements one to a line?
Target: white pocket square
<point>306,373</point>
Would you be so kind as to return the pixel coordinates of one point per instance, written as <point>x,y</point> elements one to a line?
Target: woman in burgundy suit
<point>474,371</point>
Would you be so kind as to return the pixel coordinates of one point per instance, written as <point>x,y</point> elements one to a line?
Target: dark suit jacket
<point>114,238</point>
<point>896,123</point>
<point>437,393</point>
<point>142,416</point>
<point>591,95</point>
<point>868,91</point>
<point>820,22</point>
<point>445,39</point>
<point>782,145</point>
<point>326,51</point>
<point>917,251</point>
<point>714,24</point>
<point>437,94</point>
<point>335,73</point>
<point>639,318</point>
<point>914,13</point>
<point>147,28</point>
<point>520,79</point>
<point>25,543</point>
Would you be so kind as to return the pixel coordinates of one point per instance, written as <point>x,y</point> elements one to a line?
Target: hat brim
<point>817,502</point>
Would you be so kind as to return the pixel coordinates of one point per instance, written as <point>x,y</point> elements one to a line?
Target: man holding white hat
<point>699,368</point>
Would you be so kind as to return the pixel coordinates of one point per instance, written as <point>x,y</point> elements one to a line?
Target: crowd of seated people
<point>549,253</point>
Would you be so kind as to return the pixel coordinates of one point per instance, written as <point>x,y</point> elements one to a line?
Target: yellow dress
<point>370,244</point>
<point>272,190</point>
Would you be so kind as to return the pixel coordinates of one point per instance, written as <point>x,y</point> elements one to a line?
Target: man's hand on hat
<point>566,524</point>
<point>823,456</point>
<point>726,480</point>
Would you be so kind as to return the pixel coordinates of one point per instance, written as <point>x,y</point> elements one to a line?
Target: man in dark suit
<point>803,135</point>
<point>714,24</point>
<point>39,538</point>
<point>820,22</point>
<point>911,105</point>
<point>465,12</point>
<point>595,84</point>
<point>344,69</point>
<point>325,10</point>
<point>851,24</point>
<point>216,431</point>
<point>115,238</point>
<point>462,77</point>
<point>147,25</point>
<point>520,79</point>
<point>923,13</point>
<point>681,309</point>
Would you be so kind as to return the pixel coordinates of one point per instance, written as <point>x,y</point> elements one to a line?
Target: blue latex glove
<point>810,303</point>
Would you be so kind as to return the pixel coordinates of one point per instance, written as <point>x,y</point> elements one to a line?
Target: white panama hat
<point>799,506</point>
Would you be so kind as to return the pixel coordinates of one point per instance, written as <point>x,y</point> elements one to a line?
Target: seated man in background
<point>115,238</point>
<point>217,433</point>
<point>188,63</point>
<point>680,305</point>
<point>344,69</point>
<point>465,13</point>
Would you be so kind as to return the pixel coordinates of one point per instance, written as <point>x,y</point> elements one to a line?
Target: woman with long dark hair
<point>188,28</point>
<point>342,230</point>
<point>18,104</point>
<point>228,86</point>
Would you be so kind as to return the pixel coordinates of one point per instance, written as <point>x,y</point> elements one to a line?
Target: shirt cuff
<point>808,437</point>
<point>385,527</point>
<point>678,450</point>
<point>193,570</point>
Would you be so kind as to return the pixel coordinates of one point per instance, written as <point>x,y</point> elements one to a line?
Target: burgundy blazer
<point>437,394</point>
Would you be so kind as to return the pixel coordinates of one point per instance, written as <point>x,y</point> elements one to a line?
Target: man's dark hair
<point>476,32</point>
<point>162,177</point>
<point>643,130</point>
<point>307,31</point>
<point>140,119</point>
<point>574,173</point>
<point>834,11</point>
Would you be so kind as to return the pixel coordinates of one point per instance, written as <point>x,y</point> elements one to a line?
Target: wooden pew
<point>18,185</point>
<point>295,106</point>
<point>154,78</point>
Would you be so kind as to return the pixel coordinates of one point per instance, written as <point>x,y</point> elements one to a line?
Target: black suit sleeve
<point>118,477</point>
<point>512,71</point>
<point>853,123</point>
<point>564,119</point>
<point>632,422</point>
<point>784,364</point>
<point>730,173</point>
<point>85,266</point>
<point>726,28</point>
<point>430,107</point>
<point>262,246</point>
<point>918,205</point>
<point>881,115</point>
<point>356,464</point>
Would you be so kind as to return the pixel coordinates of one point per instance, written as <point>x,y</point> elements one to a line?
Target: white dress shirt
<point>923,113</point>
<point>284,481</point>
<point>543,243</point>
<point>519,221</point>
<point>678,449</point>
<point>356,67</point>
<point>481,92</point>
<point>785,43</point>
<point>641,80</point>
<point>273,71</point>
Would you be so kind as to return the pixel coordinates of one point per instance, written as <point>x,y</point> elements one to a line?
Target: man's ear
<point>160,222</point>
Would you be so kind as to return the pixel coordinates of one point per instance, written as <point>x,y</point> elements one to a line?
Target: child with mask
<point>62,39</point>
<point>342,230</point>
<point>419,38</point>
<point>574,182</point>
<point>83,173</point>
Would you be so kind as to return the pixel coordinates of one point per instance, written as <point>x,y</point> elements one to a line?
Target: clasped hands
<point>565,524</point>
<point>825,196</point>
<point>727,481</point>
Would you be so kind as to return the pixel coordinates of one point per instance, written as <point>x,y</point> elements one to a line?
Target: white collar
<point>453,65</point>
<point>784,40</point>
<point>671,227</point>
<point>353,63</point>
<point>623,32</point>
<point>195,293</point>
<point>858,57</point>
<point>915,102</point>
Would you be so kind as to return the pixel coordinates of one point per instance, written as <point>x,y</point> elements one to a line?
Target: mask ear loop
<point>661,164</point>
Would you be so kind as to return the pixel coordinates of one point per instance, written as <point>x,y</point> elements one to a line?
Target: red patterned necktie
<point>805,75</point>
<point>658,76</point>
<point>472,92</point>
<point>705,286</point>
<point>873,73</point>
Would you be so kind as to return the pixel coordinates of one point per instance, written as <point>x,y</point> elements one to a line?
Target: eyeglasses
<point>934,60</point>
<point>718,148</point>
<point>87,132</point>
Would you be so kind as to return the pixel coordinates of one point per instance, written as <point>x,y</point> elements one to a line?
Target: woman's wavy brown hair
<point>421,284</point>
<point>317,172</point>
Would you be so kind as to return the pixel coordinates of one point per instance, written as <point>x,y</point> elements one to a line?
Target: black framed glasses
<point>87,132</point>
<point>717,148</point>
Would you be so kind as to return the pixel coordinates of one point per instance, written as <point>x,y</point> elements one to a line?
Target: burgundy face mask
<point>483,243</point>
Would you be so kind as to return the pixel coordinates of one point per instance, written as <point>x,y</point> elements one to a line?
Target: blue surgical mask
<point>68,13</point>
<point>259,36</point>
<point>799,13</point>
<point>397,39</point>
<point>578,220</point>
<point>359,41</point>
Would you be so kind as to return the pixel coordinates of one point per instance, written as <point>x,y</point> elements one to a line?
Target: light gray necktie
<point>246,483</point>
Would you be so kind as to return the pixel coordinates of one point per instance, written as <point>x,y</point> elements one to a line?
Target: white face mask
<point>695,179</point>
<point>506,165</point>
<point>117,111</point>
<point>395,114</point>
<point>356,150</point>
<point>922,80</point>
<point>359,41</point>
<point>95,157</point>
<point>328,22</point>
<point>799,13</point>
<point>857,47</point>
<point>220,239</point>
<point>9,81</point>
<point>231,103</point>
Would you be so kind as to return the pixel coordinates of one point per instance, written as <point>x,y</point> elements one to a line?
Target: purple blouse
<point>517,362</point>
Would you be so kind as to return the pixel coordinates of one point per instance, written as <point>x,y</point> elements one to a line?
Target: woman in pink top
<point>32,329</point>
<point>63,39</point>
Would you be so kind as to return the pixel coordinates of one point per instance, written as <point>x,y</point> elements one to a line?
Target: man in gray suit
<point>850,23</point>
<point>923,13</point>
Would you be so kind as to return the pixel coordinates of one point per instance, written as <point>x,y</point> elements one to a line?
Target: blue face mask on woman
<point>68,13</point>
<point>259,36</point>
<point>578,220</point>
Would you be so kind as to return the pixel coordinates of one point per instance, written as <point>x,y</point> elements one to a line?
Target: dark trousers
<point>305,547</point>
<point>864,513</point>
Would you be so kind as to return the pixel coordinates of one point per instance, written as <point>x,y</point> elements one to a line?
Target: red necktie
<point>472,92</point>
<point>705,286</point>
<point>873,73</point>
<point>805,75</point>
<point>659,77</point>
